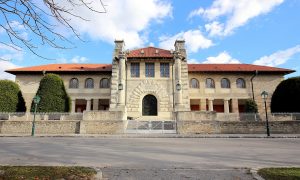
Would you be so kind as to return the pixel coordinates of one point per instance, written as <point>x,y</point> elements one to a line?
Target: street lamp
<point>264,96</point>
<point>178,87</point>
<point>36,100</point>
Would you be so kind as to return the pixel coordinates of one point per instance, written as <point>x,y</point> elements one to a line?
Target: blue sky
<point>263,32</point>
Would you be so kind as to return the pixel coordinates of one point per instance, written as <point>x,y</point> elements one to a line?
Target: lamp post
<point>36,100</point>
<point>264,96</point>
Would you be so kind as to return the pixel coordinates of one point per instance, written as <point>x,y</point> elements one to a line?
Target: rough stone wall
<point>102,115</point>
<point>236,127</point>
<point>102,127</point>
<point>41,127</point>
<point>160,87</point>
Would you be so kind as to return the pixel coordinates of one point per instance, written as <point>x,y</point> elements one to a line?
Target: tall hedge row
<point>286,97</point>
<point>54,97</point>
<point>11,99</point>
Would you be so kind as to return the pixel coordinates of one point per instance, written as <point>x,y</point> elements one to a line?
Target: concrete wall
<point>229,127</point>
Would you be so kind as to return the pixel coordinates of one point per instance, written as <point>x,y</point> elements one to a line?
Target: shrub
<point>250,106</point>
<point>286,97</point>
<point>54,97</point>
<point>11,99</point>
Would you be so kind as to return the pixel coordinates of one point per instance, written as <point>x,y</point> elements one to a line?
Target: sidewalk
<point>158,135</point>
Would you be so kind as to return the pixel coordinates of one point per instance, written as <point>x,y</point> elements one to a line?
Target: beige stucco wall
<point>160,87</point>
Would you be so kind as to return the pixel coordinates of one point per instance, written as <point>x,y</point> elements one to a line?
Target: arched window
<point>225,83</point>
<point>210,83</point>
<point>240,83</point>
<point>104,83</point>
<point>194,83</point>
<point>89,83</point>
<point>73,84</point>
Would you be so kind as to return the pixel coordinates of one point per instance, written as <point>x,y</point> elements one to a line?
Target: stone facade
<point>173,94</point>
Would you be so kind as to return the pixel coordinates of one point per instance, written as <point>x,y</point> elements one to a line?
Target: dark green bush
<point>286,97</point>
<point>250,106</point>
<point>11,99</point>
<point>54,97</point>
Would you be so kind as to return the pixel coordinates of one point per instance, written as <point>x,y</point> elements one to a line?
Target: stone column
<point>203,105</point>
<point>235,105</point>
<point>210,104</point>
<point>73,105</point>
<point>178,78</point>
<point>226,106</point>
<point>88,105</point>
<point>95,104</point>
<point>122,74</point>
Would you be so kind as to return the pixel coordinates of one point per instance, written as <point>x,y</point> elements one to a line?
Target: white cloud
<point>237,13</point>
<point>193,38</point>
<point>10,52</point>
<point>222,58</point>
<point>279,57</point>
<point>5,65</point>
<point>125,19</point>
<point>75,59</point>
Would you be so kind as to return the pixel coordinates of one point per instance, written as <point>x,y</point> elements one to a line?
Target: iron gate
<point>135,126</point>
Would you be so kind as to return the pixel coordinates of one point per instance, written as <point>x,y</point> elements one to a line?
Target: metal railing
<point>137,126</point>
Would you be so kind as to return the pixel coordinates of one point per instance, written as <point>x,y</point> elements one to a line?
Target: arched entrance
<point>149,105</point>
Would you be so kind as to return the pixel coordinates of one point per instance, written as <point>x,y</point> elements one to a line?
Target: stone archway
<point>149,105</point>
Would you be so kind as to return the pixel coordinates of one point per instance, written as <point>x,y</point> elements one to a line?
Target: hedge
<point>11,99</point>
<point>286,97</point>
<point>54,97</point>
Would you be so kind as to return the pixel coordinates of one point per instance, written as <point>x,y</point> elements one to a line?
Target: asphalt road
<point>152,153</point>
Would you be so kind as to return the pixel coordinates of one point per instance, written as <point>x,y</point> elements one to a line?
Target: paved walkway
<point>132,158</point>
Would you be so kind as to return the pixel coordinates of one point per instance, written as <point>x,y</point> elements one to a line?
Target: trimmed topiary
<point>11,99</point>
<point>286,97</point>
<point>54,97</point>
<point>250,106</point>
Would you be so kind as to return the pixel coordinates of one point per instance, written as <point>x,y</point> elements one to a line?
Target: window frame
<point>164,69</point>
<point>227,85</point>
<point>101,85</point>
<point>76,85</point>
<point>149,69</point>
<point>86,85</point>
<point>212,84</point>
<point>243,86</point>
<point>135,70</point>
<point>194,86</point>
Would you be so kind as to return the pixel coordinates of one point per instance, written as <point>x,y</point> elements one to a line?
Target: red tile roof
<point>234,68</point>
<point>64,68</point>
<point>150,52</point>
<point>107,68</point>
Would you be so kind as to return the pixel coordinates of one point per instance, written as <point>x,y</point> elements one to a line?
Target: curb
<point>156,136</point>
<point>255,174</point>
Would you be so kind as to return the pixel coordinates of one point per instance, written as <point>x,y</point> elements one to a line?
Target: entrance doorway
<point>149,105</point>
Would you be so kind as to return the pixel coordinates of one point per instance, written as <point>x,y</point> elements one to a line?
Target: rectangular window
<point>135,69</point>
<point>164,70</point>
<point>149,71</point>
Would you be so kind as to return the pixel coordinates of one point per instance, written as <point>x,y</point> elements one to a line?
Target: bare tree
<point>35,18</point>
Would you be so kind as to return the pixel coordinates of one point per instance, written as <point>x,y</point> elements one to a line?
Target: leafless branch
<point>33,17</point>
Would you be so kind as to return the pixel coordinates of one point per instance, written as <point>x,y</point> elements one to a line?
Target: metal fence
<point>22,116</point>
<point>137,126</point>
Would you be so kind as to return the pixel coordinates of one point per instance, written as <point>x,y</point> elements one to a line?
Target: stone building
<point>152,83</point>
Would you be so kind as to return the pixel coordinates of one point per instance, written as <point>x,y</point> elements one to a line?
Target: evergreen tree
<point>286,97</point>
<point>250,106</point>
<point>54,97</point>
<point>11,99</point>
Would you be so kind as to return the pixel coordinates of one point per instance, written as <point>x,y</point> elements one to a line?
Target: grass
<point>45,172</point>
<point>280,173</point>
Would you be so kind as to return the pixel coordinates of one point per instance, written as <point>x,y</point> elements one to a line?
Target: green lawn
<point>45,172</point>
<point>280,173</point>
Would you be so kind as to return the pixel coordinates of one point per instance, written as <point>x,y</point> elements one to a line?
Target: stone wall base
<point>235,127</point>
